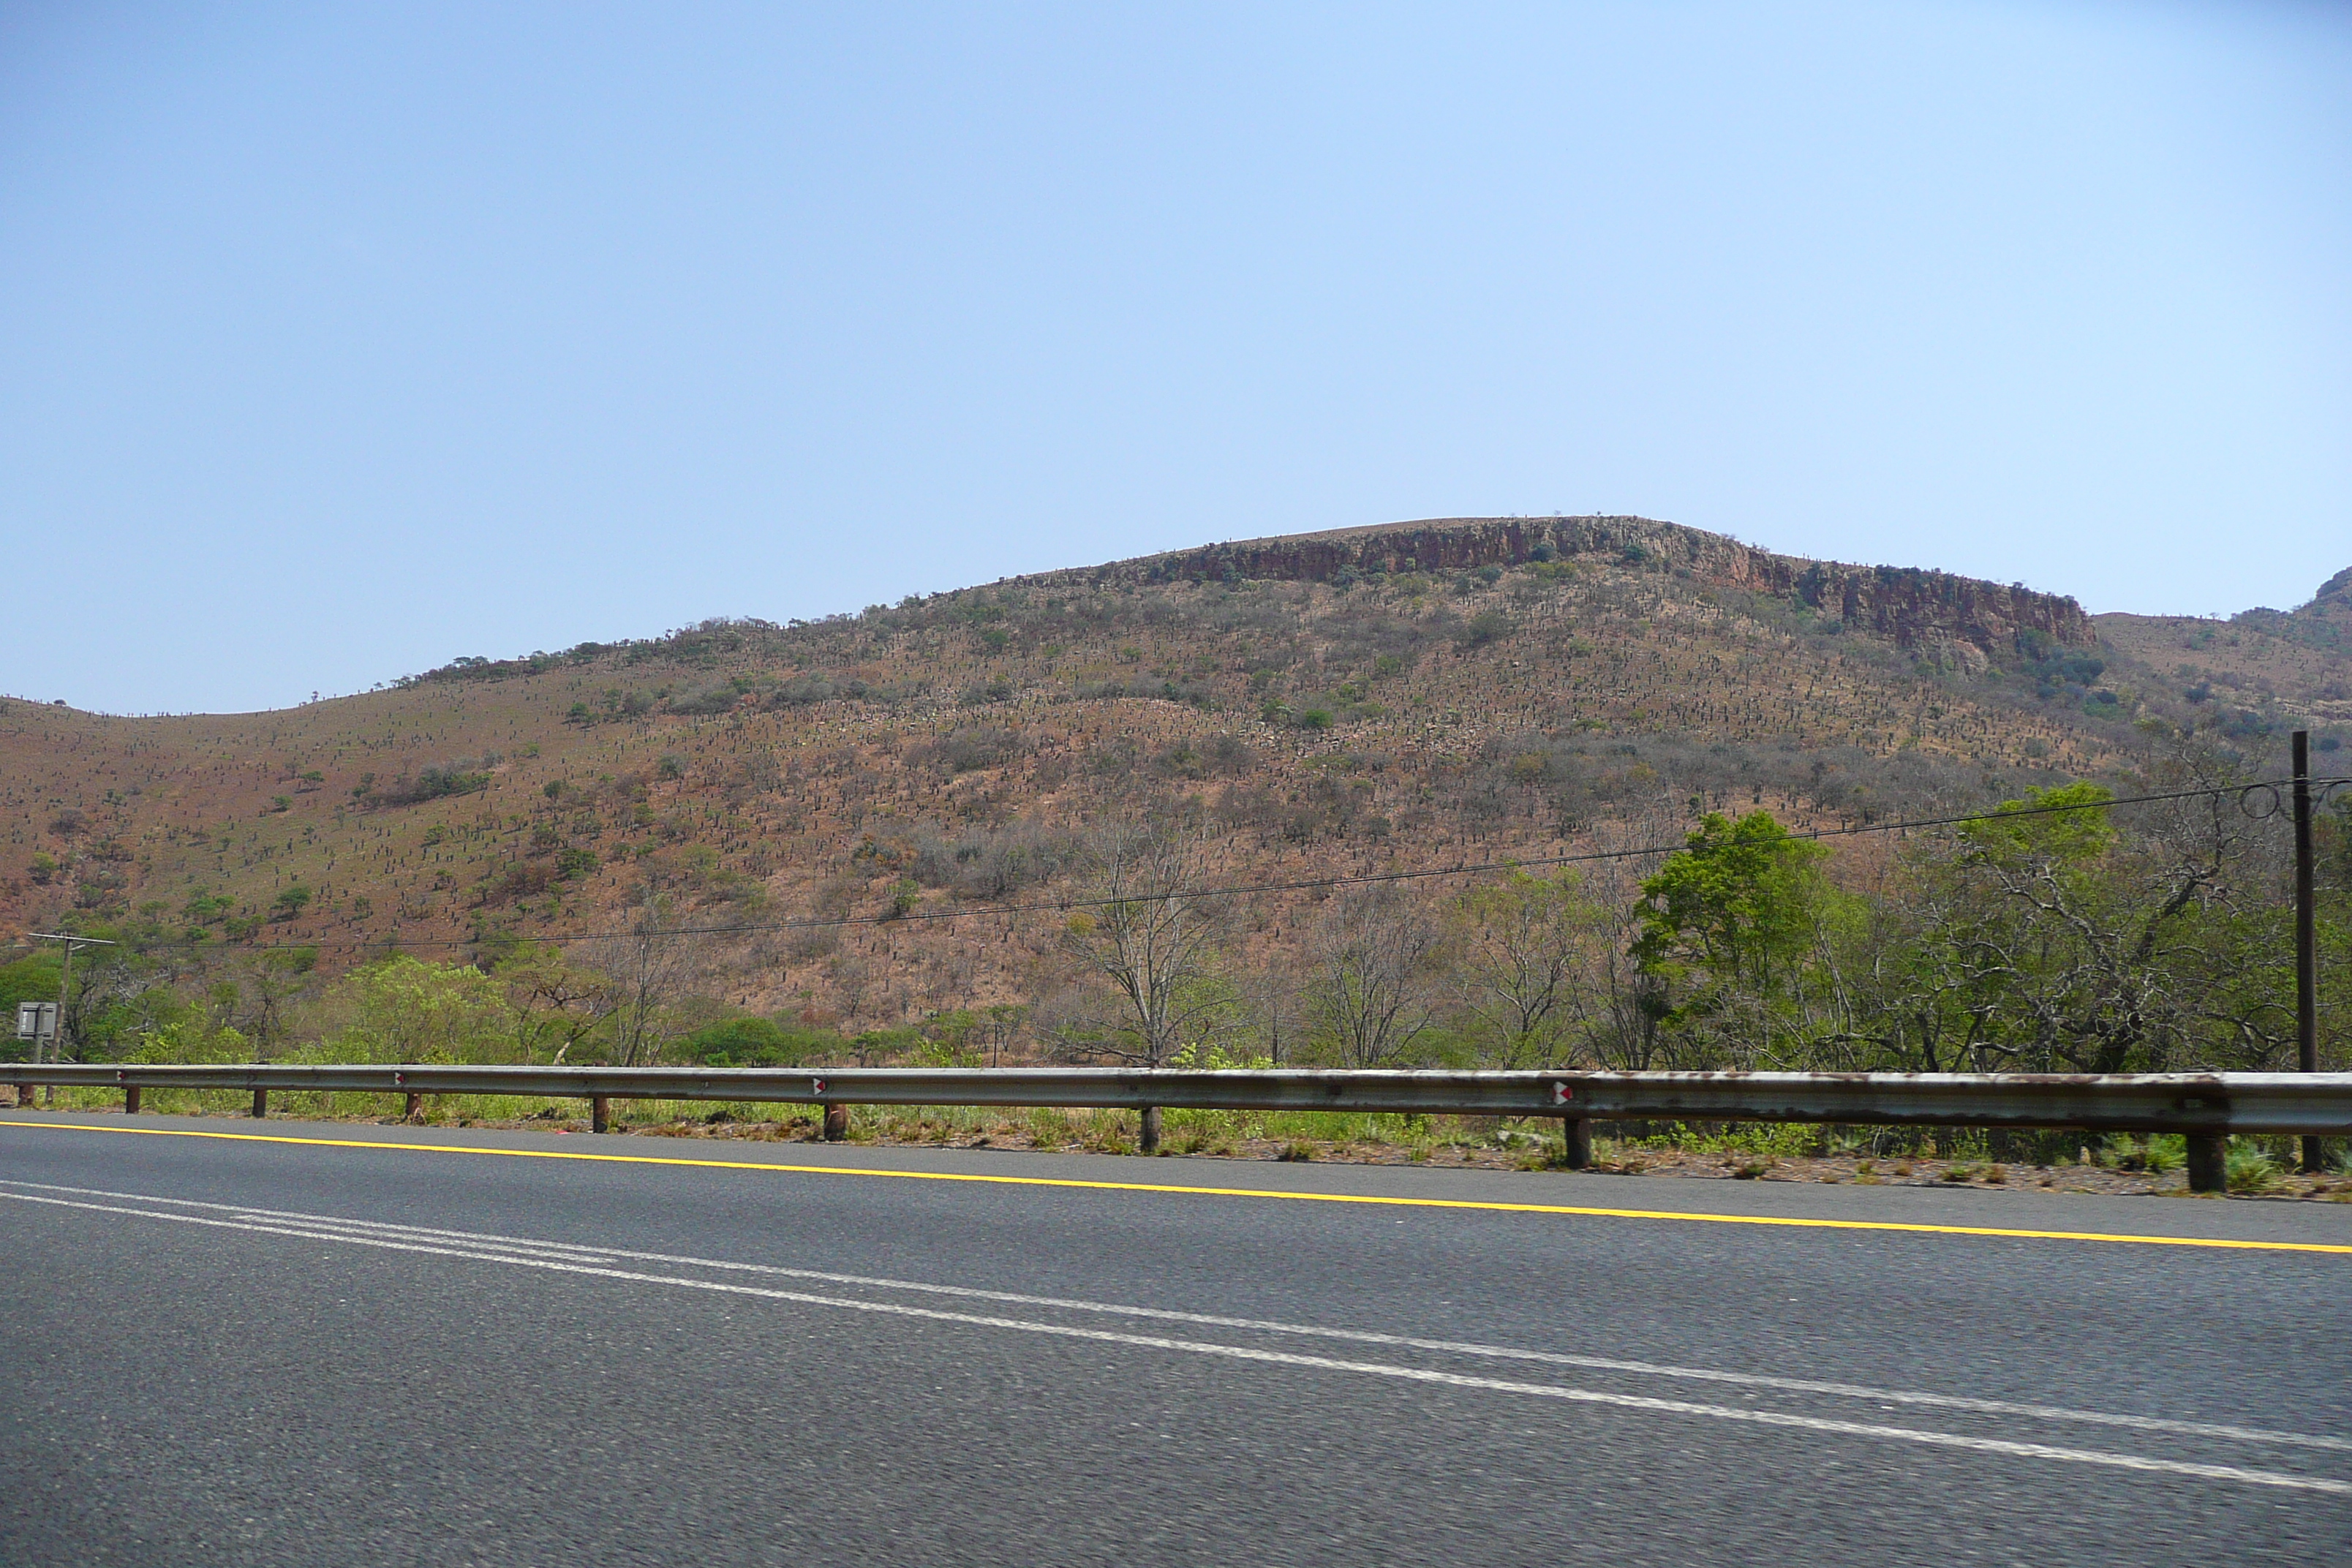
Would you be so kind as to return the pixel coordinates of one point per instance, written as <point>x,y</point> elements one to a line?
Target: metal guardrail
<point>2205,1107</point>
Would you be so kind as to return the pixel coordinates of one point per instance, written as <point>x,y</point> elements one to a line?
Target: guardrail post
<point>1578,1131</point>
<point>2208,1164</point>
<point>837,1123</point>
<point>261,1103</point>
<point>131,1100</point>
<point>600,1113</point>
<point>414,1109</point>
<point>1150,1137</point>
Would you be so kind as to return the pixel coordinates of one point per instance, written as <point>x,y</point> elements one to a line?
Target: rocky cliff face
<point>1962,618</point>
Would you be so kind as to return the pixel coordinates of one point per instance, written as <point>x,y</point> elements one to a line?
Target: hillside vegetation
<point>736,842</point>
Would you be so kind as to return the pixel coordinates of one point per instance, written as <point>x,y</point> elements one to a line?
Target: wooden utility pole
<point>2307,946</point>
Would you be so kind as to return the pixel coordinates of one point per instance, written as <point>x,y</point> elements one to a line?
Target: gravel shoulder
<point>1617,1177</point>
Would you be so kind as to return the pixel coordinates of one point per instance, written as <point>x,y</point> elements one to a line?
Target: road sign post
<point>36,1022</point>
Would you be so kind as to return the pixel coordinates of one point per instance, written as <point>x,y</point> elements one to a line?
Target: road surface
<point>235,1342</point>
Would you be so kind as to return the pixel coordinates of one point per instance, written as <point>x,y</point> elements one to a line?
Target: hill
<point>1360,701</point>
<point>2258,671</point>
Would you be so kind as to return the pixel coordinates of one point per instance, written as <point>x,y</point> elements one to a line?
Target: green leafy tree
<point>193,1037</point>
<point>1738,903</point>
<point>2066,826</point>
<point>2048,935</point>
<point>763,1043</point>
<point>555,1003</point>
<point>406,1009</point>
<point>33,978</point>
<point>1729,932</point>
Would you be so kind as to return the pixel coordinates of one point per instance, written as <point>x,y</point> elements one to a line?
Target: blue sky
<point>336,341</point>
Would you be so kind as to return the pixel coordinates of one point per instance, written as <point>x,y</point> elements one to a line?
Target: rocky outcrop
<point>1930,611</point>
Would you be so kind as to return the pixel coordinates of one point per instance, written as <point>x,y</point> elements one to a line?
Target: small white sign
<point>37,1020</point>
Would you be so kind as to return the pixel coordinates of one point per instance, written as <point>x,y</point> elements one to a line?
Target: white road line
<point>2229,1473</point>
<point>1355,1336</point>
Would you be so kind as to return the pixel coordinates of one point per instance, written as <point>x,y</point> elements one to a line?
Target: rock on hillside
<point>1981,622</point>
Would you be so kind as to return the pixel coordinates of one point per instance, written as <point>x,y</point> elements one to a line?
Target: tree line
<point>2055,932</point>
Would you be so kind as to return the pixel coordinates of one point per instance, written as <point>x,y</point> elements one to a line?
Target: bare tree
<point>2098,945</point>
<point>1526,961</point>
<point>646,968</point>
<point>1369,998</point>
<point>1145,929</point>
<point>1625,1032</point>
<point>266,988</point>
<point>2061,940</point>
<point>556,1003</point>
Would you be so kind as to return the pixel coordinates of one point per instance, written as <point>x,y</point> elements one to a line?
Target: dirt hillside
<point>1414,695</point>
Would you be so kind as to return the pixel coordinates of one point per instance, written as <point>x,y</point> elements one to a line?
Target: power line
<point>1464,869</point>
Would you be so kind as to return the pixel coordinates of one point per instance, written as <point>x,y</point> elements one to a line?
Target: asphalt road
<point>414,1346</point>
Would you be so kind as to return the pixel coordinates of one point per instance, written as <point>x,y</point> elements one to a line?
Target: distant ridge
<point>2325,621</point>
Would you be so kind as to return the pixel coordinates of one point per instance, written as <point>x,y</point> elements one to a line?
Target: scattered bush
<point>757,1043</point>
<point>709,700</point>
<point>969,749</point>
<point>1486,626</point>
<point>435,781</point>
<point>816,685</point>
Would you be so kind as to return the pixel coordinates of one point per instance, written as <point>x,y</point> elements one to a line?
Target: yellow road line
<point>1214,1192</point>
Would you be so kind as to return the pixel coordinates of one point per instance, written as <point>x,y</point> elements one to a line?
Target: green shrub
<point>759,1043</point>
<point>1486,626</point>
<point>2155,1155</point>
<point>2248,1169</point>
<point>406,1009</point>
<point>33,978</point>
<point>570,863</point>
<point>192,1039</point>
<point>435,781</point>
